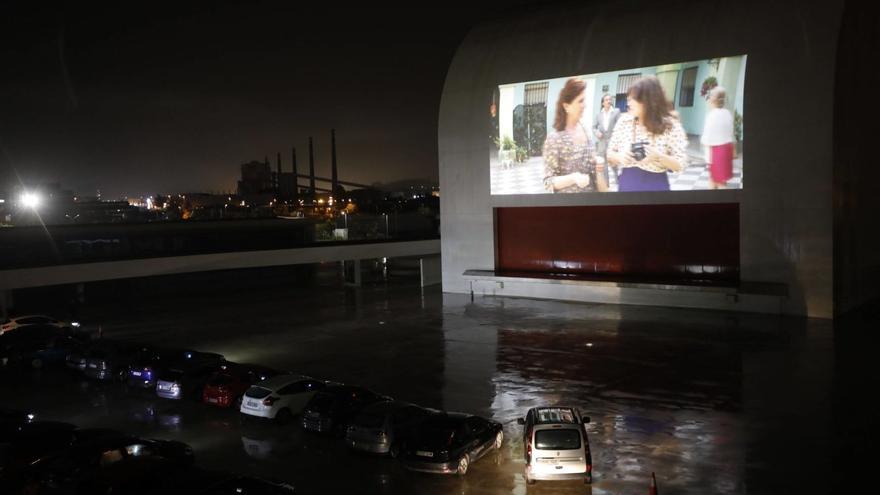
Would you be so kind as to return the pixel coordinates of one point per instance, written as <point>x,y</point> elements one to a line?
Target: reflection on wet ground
<point>712,402</point>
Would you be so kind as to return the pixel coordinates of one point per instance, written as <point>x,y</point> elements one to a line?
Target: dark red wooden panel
<point>682,241</point>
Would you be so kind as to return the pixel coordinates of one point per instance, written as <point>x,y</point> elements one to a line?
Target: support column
<point>5,303</point>
<point>351,270</point>
<point>430,270</point>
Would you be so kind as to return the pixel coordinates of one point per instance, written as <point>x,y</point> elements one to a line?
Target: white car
<point>280,397</point>
<point>23,321</point>
<point>556,446</point>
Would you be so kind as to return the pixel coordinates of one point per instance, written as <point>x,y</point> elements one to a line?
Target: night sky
<point>137,100</point>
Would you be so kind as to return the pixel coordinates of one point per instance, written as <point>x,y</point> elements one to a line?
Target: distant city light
<point>30,200</point>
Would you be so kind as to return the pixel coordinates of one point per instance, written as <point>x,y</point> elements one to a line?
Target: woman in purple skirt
<point>648,141</point>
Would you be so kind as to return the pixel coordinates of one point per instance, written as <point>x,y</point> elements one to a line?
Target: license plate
<point>253,404</point>
<point>135,373</point>
<point>164,386</point>
<point>422,453</point>
<point>212,400</point>
<point>93,365</point>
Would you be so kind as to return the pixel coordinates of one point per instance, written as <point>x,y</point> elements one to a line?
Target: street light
<point>386,224</point>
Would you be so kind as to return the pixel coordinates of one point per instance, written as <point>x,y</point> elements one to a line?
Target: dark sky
<point>149,98</point>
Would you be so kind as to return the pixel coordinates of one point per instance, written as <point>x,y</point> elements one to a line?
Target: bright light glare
<point>30,200</point>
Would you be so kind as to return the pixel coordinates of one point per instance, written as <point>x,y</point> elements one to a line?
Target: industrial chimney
<point>295,191</point>
<point>278,177</point>
<point>334,177</point>
<point>311,168</point>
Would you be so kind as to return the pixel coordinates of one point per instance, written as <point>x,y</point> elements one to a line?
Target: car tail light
<point>529,451</point>
<point>268,401</point>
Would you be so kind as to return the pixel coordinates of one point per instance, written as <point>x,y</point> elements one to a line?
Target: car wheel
<point>36,363</point>
<point>499,440</point>
<point>588,479</point>
<point>529,480</point>
<point>238,401</point>
<point>283,416</point>
<point>463,464</point>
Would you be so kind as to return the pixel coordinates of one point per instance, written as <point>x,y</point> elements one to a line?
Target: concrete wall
<point>786,205</point>
<point>856,174</point>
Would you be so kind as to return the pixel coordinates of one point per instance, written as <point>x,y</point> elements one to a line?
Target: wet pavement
<point>711,402</point>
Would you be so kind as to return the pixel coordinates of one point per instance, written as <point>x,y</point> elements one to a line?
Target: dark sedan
<point>39,345</point>
<point>149,362</point>
<point>332,409</point>
<point>110,360</point>
<point>447,443</point>
<point>83,463</point>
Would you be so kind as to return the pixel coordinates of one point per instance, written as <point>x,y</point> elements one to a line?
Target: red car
<point>226,387</point>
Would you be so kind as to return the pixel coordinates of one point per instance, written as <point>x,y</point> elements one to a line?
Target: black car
<point>185,380</point>
<point>148,362</point>
<point>22,442</point>
<point>81,465</point>
<point>332,409</point>
<point>108,360</point>
<point>38,345</point>
<point>447,443</point>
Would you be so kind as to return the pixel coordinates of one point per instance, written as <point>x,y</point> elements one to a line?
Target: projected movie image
<point>672,127</point>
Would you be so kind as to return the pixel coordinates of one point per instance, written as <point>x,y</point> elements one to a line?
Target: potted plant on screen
<point>507,151</point>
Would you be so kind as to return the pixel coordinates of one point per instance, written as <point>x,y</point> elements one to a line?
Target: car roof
<point>279,381</point>
<point>387,406</point>
<point>556,415</point>
<point>19,317</point>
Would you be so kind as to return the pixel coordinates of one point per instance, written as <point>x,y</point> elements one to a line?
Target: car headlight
<point>74,324</point>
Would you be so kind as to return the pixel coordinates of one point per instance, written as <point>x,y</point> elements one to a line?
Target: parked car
<point>81,465</point>
<point>76,359</point>
<point>39,345</point>
<point>28,320</point>
<point>279,397</point>
<point>226,387</point>
<point>555,445</point>
<point>23,441</point>
<point>377,427</point>
<point>186,379</point>
<point>332,409</point>
<point>448,443</point>
<point>16,415</point>
<point>148,362</point>
<point>144,367</point>
<point>109,360</point>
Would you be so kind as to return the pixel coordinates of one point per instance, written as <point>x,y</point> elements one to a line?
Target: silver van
<point>556,445</point>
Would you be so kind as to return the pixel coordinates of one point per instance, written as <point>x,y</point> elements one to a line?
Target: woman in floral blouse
<point>570,162</point>
<point>648,140</point>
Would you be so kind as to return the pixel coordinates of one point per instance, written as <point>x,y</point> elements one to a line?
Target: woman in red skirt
<point>718,139</point>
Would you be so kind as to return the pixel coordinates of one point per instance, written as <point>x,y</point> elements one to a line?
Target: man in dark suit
<point>603,126</point>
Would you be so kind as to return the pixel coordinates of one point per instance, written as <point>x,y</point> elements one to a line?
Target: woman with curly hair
<point>648,141</point>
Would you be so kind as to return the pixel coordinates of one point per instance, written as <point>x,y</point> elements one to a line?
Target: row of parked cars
<point>51,457</point>
<point>423,439</point>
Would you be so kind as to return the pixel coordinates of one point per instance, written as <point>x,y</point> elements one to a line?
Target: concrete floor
<point>711,402</point>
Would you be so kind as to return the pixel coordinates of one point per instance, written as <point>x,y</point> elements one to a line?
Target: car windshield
<point>369,420</point>
<point>171,376</point>
<point>436,438</point>
<point>219,380</point>
<point>558,439</point>
<point>257,392</point>
<point>322,403</point>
